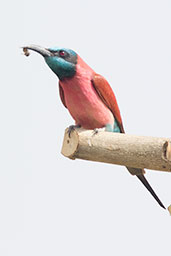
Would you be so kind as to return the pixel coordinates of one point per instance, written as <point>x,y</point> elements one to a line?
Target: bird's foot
<point>71,128</point>
<point>97,130</point>
<point>107,128</point>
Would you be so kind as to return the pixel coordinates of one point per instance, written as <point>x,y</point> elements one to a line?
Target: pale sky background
<point>50,205</point>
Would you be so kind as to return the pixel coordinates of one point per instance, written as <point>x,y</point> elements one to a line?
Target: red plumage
<point>107,95</point>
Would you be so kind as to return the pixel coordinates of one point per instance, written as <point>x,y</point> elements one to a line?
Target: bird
<point>87,95</point>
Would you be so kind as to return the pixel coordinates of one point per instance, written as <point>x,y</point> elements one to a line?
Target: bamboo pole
<point>122,149</point>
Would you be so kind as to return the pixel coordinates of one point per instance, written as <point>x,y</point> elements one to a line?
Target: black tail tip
<point>148,186</point>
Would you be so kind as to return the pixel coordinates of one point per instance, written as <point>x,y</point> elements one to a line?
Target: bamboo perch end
<point>70,144</point>
<point>169,209</point>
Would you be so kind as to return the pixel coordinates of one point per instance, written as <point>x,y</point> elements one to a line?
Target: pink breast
<point>82,100</point>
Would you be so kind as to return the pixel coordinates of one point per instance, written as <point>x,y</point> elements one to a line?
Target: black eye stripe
<point>65,55</point>
<point>62,53</point>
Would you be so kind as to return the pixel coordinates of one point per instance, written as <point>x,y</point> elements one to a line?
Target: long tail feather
<point>147,185</point>
<point>140,175</point>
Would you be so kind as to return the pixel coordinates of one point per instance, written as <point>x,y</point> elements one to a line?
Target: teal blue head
<point>62,61</point>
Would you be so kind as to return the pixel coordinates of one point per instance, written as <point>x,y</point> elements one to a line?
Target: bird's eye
<point>62,53</point>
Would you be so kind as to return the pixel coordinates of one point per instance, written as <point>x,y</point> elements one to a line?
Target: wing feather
<point>62,96</point>
<point>107,95</point>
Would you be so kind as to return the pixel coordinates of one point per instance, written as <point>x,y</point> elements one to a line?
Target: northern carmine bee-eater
<point>87,96</point>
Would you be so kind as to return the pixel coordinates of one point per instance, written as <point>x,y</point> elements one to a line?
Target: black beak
<point>43,51</point>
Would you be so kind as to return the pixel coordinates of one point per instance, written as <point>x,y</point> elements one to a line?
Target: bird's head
<point>62,61</point>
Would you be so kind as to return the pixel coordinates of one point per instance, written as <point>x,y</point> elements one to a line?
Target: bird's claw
<point>97,130</point>
<point>71,128</point>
